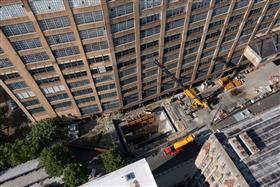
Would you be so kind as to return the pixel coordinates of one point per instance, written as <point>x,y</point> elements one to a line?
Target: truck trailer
<point>178,146</point>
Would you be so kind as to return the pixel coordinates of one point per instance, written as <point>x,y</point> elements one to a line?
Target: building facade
<point>85,57</point>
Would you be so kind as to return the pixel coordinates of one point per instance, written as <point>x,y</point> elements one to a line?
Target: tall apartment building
<point>83,57</point>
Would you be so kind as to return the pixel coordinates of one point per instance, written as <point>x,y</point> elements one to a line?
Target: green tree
<point>112,159</point>
<point>54,159</point>
<point>44,132</point>
<point>19,152</point>
<point>3,158</point>
<point>4,122</point>
<point>74,175</point>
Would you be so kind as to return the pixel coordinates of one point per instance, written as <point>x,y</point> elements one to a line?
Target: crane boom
<point>188,92</point>
<point>169,73</point>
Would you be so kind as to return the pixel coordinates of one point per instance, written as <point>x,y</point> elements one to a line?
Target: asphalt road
<point>257,107</point>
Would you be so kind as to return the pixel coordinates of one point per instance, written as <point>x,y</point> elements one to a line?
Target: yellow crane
<point>190,93</point>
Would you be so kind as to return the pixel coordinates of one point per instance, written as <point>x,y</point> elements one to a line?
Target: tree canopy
<point>112,159</point>
<point>74,175</point>
<point>54,159</point>
<point>44,132</point>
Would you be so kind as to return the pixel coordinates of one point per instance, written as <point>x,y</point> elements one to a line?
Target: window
<point>175,12</point>
<point>126,63</point>
<point>96,46</point>
<point>42,6</point>
<point>83,3</point>
<point>117,27</point>
<point>62,105</point>
<point>36,57</point>
<point>30,103</point>
<point>170,57</point>
<point>149,56</point>
<point>75,75</point>
<point>48,80</point>
<point>17,29</point>
<point>91,33</point>
<point>149,19</point>
<point>66,52</point>
<point>103,78</point>
<point>172,38</point>
<point>125,52</point>
<point>126,72</point>
<point>200,4</point>
<point>215,24</point>
<point>71,64</point>
<point>57,97</point>
<point>130,99</point>
<point>78,83</point>
<point>213,35</point>
<point>36,110</point>
<point>190,50</point>
<point>235,18</point>
<point>101,69</point>
<point>89,109</point>
<point>240,4</point>
<point>5,63</point>
<point>41,70</point>
<point>108,95</point>
<point>167,85</point>
<point>174,24</point>
<point>198,17</point>
<point>26,44</point>
<point>191,42</point>
<point>17,85</point>
<point>124,39</point>
<point>207,53</point>
<point>9,75</point>
<point>93,60</point>
<point>255,11</point>
<point>144,4</point>
<point>149,32</point>
<point>121,10</point>
<point>172,48</point>
<point>85,100</point>
<point>54,23</point>
<point>82,92</point>
<point>110,105</point>
<point>150,73</point>
<point>129,90</point>
<point>195,30</point>
<point>105,87</point>
<point>11,11</point>
<point>60,38</point>
<point>128,81</point>
<point>149,45</point>
<point>220,10</point>
<point>149,92</point>
<point>53,89</point>
<point>88,17</point>
<point>148,65</point>
<point>24,95</point>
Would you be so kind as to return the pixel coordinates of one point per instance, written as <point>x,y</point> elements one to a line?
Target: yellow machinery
<point>191,93</point>
<point>227,83</point>
<point>197,103</point>
<point>182,143</point>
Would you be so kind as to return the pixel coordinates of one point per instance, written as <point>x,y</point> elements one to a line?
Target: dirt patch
<point>237,93</point>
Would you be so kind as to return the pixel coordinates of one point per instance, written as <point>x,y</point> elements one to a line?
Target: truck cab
<point>178,146</point>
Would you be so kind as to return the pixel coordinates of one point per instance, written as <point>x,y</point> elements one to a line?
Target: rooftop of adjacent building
<point>256,156</point>
<point>264,131</point>
<point>135,174</point>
